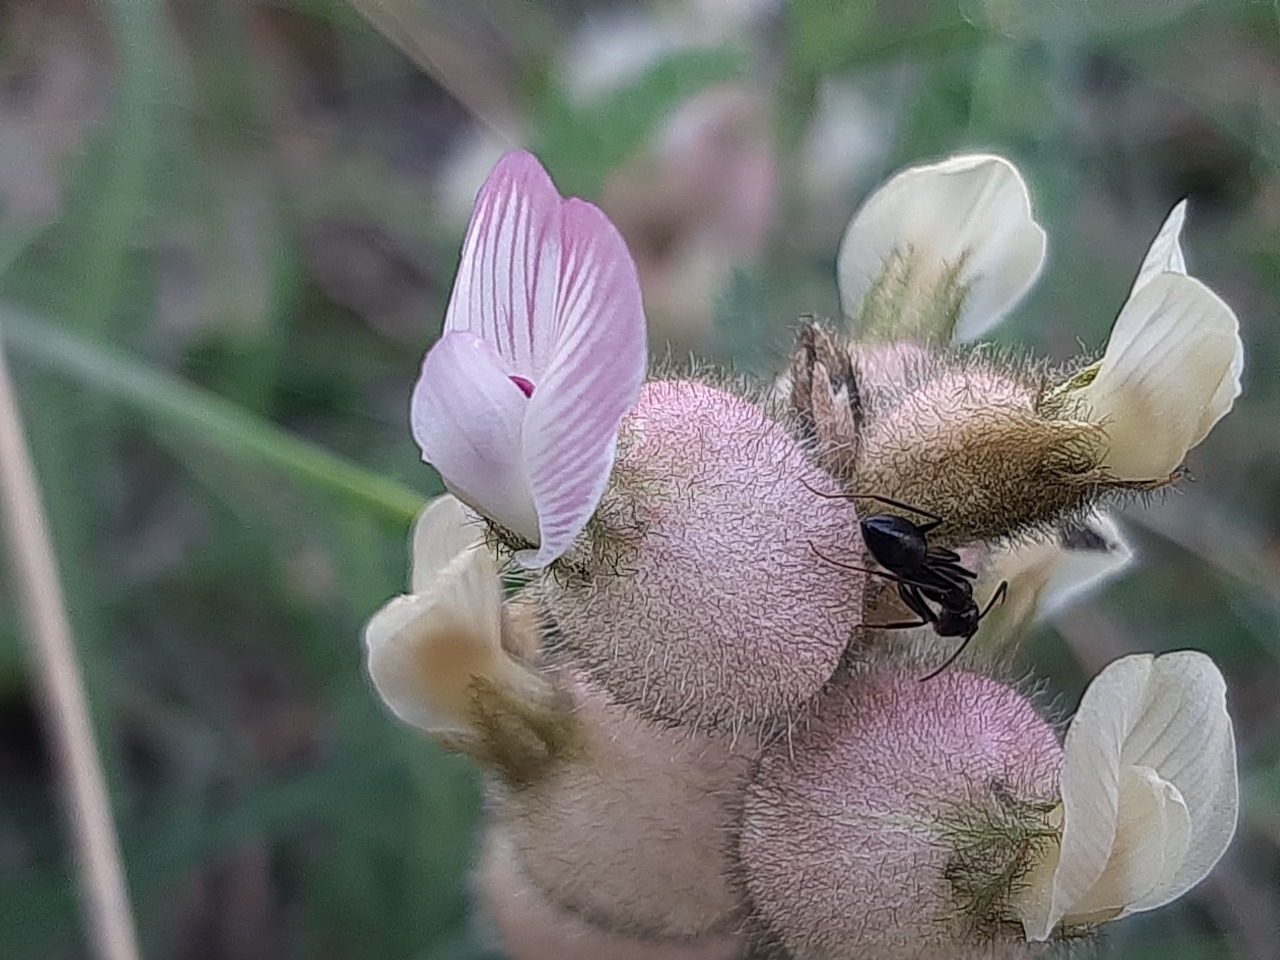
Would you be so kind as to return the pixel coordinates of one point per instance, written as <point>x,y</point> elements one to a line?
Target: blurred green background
<point>227,234</point>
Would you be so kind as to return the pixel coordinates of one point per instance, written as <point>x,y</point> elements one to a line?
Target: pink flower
<point>542,355</point>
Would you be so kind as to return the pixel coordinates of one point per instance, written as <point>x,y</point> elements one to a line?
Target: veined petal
<point>1165,253</point>
<point>423,650</point>
<point>505,288</point>
<point>1224,397</point>
<point>467,417</point>
<point>1090,784</point>
<point>1152,832</point>
<point>1170,372</point>
<point>1184,733</point>
<point>444,529</point>
<point>973,209</point>
<point>1149,792</point>
<point>593,379</point>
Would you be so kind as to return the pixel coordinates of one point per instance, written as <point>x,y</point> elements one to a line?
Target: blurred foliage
<point>227,231</point>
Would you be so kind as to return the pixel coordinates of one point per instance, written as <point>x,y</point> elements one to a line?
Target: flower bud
<point>892,826</point>
<point>631,832</point>
<point>714,607</point>
<point>825,398</point>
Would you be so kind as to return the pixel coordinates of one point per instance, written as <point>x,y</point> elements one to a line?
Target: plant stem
<point>88,810</point>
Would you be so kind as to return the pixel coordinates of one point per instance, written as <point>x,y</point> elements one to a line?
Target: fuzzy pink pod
<point>844,843</point>
<point>633,832</point>
<point>716,611</point>
<point>531,927</point>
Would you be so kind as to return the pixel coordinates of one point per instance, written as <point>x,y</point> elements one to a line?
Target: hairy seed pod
<point>705,602</point>
<point>853,835</point>
<point>531,927</point>
<point>971,447</point>
<point>632,833</point>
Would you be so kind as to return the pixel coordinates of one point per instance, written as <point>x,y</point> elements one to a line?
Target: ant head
<point>895,542</point>
<point>962,622</point>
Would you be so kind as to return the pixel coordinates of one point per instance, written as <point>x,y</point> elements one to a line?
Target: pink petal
<point>505,289</point>
<point>593,379</point>
<point>466,415</point>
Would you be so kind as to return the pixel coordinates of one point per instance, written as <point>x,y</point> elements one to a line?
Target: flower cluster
<point>700,709</point>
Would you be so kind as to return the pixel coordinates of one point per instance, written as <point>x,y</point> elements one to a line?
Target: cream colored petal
<point>1228,389</point>
<point>1045,576</point>
<point>1160,384</point>
<point>1096,555</point>
<point>973,208</point>
<point>423,650</point>
<point>1149,793</point>
<point>1090,783</point>
<point>1184,732</point>
<point>1152,833</point>
<point>1165,253</point>
<point>443,530</point>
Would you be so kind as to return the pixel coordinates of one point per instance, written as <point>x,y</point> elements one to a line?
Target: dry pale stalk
<point>34,568</point>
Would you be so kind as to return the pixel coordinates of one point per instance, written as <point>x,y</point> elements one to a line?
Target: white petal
<point>1045,576</point>
<point>1152,833</point>
<point>1224,397</point>
<point>424,649</point>
<point>1184,733</point>
<point>505,288</point>
<point>443,530</point>
<point>593,379</point>
<point>1149,793</point>
<point>1090,784</point>
<point>1098,553</point>
<point>1166,377</point>
<point>1165,252</point>
<point>973,207</point>
<point>468,418</point>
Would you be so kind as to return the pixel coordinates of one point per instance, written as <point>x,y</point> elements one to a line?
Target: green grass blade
<point>232,429</point>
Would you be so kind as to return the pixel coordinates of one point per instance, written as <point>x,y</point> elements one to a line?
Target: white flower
<point>970,212</point>
<point>426,648</point>
<point>543,353</point>
<point>1149,795</point>
<point>1046,576</point>
<point>1171,369</point>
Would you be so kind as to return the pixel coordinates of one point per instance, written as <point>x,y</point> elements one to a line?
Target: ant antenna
<point>872,496</point>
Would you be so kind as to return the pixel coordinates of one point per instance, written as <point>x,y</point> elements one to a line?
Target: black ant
<point>922,573</point>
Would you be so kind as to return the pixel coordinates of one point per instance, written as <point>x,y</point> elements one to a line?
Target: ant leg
<point>928,579</point>
<point>949,568</point>
<point>911,596</point>
<point>995,598</point>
